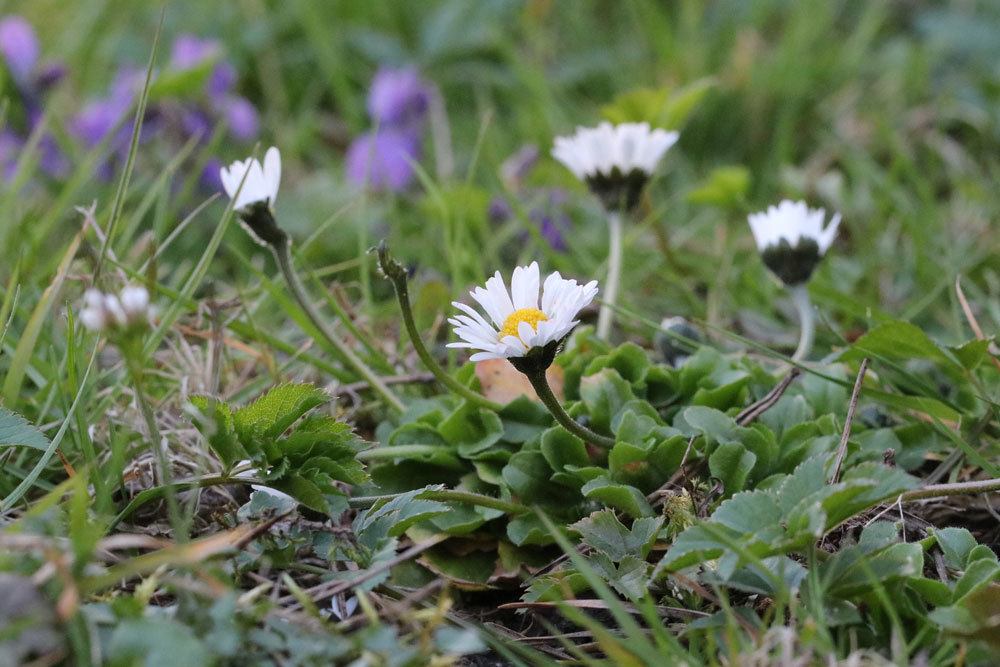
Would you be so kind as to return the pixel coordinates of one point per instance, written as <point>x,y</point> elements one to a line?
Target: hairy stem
<point>807,321</point>
<point>397,276</point>
<point>541,386</point>
<point>956,489</point>
<point>283,256</point>
<point>606,315</point>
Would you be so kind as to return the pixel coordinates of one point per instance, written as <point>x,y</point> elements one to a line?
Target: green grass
<point>884,112</point>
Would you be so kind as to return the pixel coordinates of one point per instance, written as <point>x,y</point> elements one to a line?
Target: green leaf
<point>977,575</point>
<point>630,577</point>
<point>956,543</point>
<point>303,490</point>
<point>713,424</point>
<point>214,419</point>
<point>731,463</point>
<point>470,570</point>
<point>156,641</point>
<point>528,529</point>
<point>275,411</point>
<point>604,393</point>
<point>471,429</point>
<point>860,574</point>
<point>529,477</point>
<point>606,534</point>
<point>561,448</point>
<point>725,187</point>
<point>16,431</point>
<point>622,497</point>
<point>393,517</point>
<point>523,419</point>
<point>902,341</point>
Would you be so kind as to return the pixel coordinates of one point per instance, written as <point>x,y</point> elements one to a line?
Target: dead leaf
<point>502,383</point>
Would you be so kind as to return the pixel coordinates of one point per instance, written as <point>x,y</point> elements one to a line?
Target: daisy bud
<point>615,161</point>
<point>525,330</point>
<point>792,239</point>
<point>254,188</point>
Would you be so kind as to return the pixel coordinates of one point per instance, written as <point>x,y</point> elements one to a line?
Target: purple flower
<point>242,117</point>
<point>10,150</point>
<point>398,97</point>
<point>383,160</point>
<point>19,46</point>
<point>190,51</point>
<point>499,210</point>
<point>99,117</point>
<point>551,227</point>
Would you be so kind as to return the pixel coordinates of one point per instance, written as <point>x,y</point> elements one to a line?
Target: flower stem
<point>135,369</point>
<point>283,256</point>
<point>606,315</point>
<point>807,321</point>
<point>446,495</point>
<point>956,489</point>
<point>544,391</point>
<point>396,274</point>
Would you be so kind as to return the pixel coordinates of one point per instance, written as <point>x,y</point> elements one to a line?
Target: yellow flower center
<point>530,315</point>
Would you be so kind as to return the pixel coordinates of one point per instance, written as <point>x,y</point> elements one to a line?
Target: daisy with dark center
<point>527,329</point>
<point>792,239</point>
<point>616,162</point>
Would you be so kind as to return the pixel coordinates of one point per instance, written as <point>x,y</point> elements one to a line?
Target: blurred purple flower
<point>552,226</point>
<point>19,46</point>
<point>10,149</point>
<point>242,117</point>
<point>383,161</point>
<point>190,51</point>
<point>398,97</point>
<point>549,216</point>
<point>99,117</point>
<point>499,210</point>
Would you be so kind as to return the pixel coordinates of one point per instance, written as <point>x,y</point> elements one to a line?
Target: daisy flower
<point>254,188</point>
<point>260,184</point>
<point>792,238</point>
<point>615,161</point>
<point>103,312</point>
<point>521,328</point>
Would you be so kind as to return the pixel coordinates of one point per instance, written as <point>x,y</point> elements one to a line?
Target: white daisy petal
<point>248,182</point>
<point>791,222</point>
<point>521,319</point>
<point>599,150</point>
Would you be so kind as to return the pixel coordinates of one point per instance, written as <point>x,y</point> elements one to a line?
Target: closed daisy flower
<point>253,187</point>
<point>521,327</point>
<point>792,238</point>
<point>615,161</point>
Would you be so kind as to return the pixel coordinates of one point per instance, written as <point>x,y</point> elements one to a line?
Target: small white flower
<point>135,302</point>
<point>92,315</point>
<point>594,151</point>
<point>519,322</point>
<point>101,311</point>
<point>791,222</point>
<point>259,183</point>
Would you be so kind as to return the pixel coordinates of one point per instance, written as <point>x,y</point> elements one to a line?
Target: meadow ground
<point>772,437</point>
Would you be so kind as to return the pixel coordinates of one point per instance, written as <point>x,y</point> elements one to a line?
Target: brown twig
<point>758,408</point>
<point>971,318</point>
<point>846,435</point>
